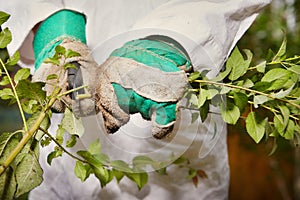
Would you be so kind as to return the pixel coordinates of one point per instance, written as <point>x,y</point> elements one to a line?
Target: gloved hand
<point>71,79</point>
<point>65,28</point>
<point>144,76</point>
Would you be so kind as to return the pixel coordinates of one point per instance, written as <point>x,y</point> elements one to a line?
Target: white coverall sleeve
<point>208,30</point>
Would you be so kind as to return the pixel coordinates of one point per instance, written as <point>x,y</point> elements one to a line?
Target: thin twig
<point>246,89</point>
<point>16,96</point>
<point>60,146</point>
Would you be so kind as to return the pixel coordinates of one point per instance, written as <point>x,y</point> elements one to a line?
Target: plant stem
<point>60,146</point>
<point>28,134</point>
<point>70,91</point>
<point>246,89</point>
<point>16,96</point>
<point>286,60</point>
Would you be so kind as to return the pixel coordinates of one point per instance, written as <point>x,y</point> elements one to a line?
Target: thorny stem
<point>16,96</point>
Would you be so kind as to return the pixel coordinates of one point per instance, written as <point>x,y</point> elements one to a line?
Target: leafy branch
<point>272,85</point>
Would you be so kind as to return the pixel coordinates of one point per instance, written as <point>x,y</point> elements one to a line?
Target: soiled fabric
<point>207,29</point>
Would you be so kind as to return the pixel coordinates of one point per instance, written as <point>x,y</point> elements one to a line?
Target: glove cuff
<point>62,24</point>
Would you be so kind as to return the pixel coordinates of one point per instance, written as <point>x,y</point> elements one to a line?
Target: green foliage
<point>72,124</point>
<point>271,87</point>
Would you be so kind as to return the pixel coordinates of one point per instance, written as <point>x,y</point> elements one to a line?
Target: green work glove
<point>143,76</point>
<point>67,29</point>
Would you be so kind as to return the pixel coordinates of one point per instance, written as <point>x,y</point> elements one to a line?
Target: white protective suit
<point>207,29</point>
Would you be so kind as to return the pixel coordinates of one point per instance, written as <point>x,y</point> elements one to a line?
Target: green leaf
<point>195,116</point>
<point>53,61</point>
<point>261,67</point>
<point>31,90</point>
<point>5,38</point>
<point>285,113</point>
<point>72,141</point>
<point>120,165</point>
<point>51,77</point>
<point>294,68</point>
<point>82,171</point>
<point>30,106</point>
<point>97,160</point>
<point>202,97</point>
<point>225,90</point>
<point>238,64</point>
<point>102,158</point>
<point>21,74</point>
<point>259,99</point>
<point>6,93</point>
<point>204,110</point>
<point>45,124</point>
<point>290,130</point>
<point>281,52</point>
<point>69,66</point>
<point>228,68</point>
<point>70,53</point>
<point>102,174</point>
<point>274,147</point>
<point>240,100</point>
<point>13,59</point>
<point>29,174</point>
<point>60,50</point>
<point>248,83</point>
<point>139,162</point>
<point>7,143</point>
<point>54,154</point>
<point>118,174</point>
<point>277,76</point>
<point>180,160</point>
<point>212,93</point>
<point>72,124</point>
<point>59,137</point>
<point>279,124</point>
<point>161,171</point>
<point>45,141</point>
<point>8,184</point>
<point>193,100</point>
<point>262,86</point>
<point>95,147</point>
<point>255,126</point>
<point>194,76</point>
<point>230,112</point>
<point>192,173</point>
<point>140,179</point>
<point>283,93</point>
<point>3,17</point>
<point>4,81</point>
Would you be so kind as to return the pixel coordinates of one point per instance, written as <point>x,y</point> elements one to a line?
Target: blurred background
<point>254,174</point>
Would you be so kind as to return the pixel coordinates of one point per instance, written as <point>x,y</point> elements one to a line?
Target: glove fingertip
<point>161,131</point>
